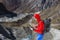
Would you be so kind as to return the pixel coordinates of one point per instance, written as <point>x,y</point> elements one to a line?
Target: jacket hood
<point>37,17</point>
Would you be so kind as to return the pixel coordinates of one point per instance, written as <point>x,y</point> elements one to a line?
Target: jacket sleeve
<point>36,29</point>
<point>40,27</point>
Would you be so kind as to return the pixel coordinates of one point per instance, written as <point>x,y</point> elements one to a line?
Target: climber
<point>37,26</point>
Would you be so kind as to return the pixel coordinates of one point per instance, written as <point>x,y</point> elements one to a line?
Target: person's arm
<point>40,27</point>
<point>32,28</point>
<point>36,29</point>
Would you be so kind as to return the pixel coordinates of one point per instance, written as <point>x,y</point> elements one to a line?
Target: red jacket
<point>40,27</point>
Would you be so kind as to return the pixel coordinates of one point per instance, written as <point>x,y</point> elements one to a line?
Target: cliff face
<point>48,8</point>
<point>28,5</point>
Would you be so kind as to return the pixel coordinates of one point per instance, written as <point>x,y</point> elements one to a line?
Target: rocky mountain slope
<point>49,9</point>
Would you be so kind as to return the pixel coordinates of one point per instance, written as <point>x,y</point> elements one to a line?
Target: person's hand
<point>31,28</point>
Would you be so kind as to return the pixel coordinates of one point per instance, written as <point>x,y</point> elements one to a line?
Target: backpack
<point>47,23</point>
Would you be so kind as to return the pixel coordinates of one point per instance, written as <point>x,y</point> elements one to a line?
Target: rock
<point>55,33</point>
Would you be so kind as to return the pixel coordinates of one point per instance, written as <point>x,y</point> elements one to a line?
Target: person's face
<point>34,22</point>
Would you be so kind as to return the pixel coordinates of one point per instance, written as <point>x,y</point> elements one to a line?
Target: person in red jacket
<point>39,27</point>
